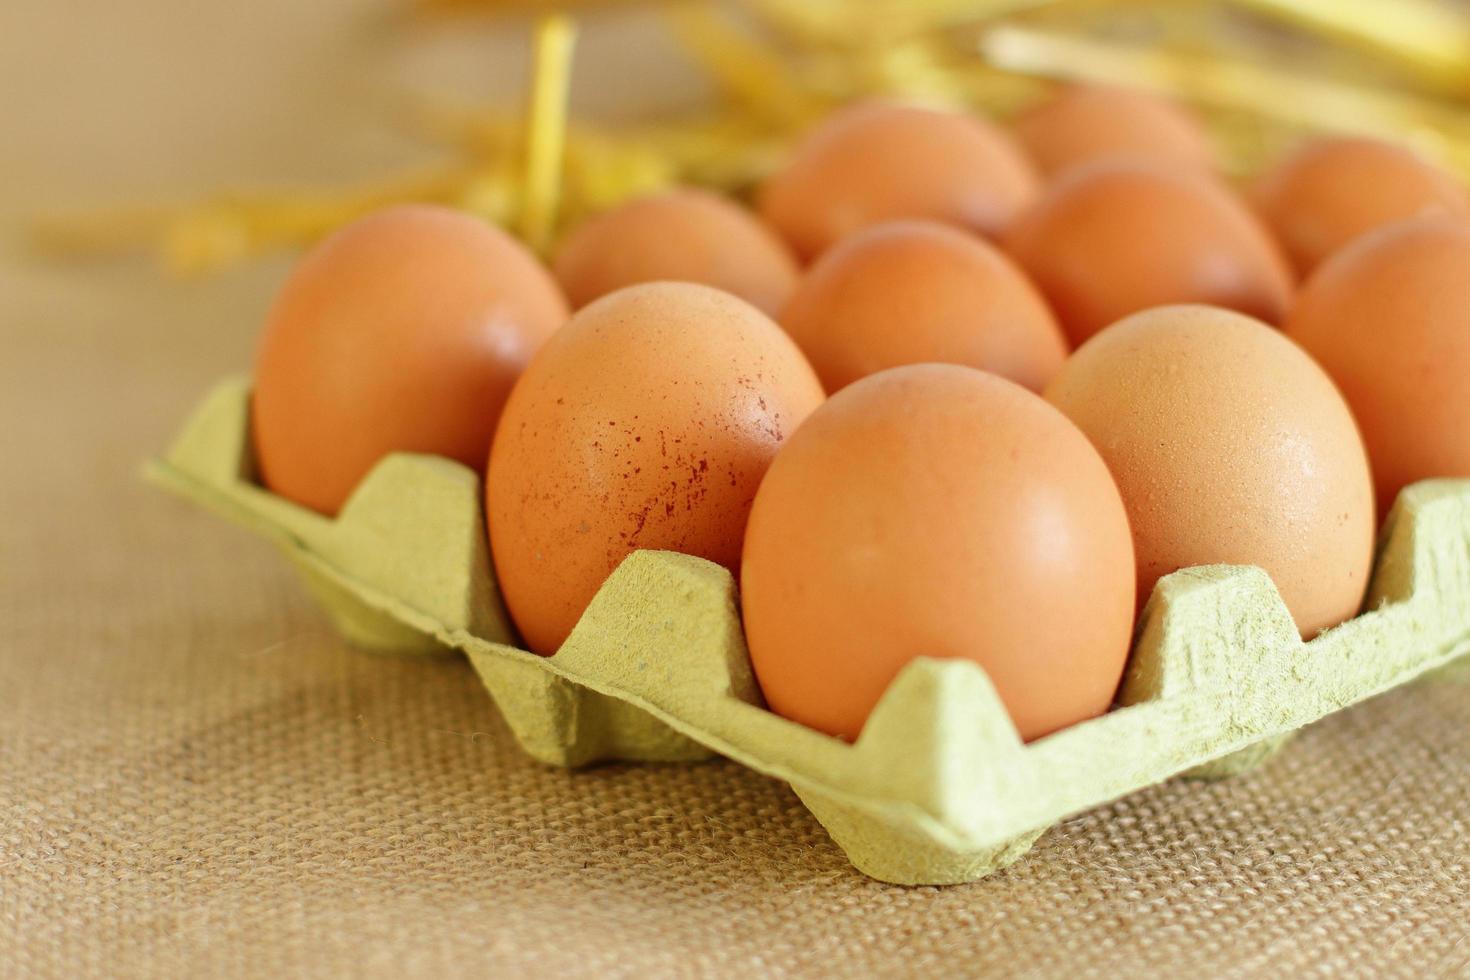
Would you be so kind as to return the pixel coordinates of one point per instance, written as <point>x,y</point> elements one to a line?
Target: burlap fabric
<point>198,779</point>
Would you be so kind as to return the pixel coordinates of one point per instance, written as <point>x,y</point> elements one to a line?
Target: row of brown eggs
<point>970,489</point>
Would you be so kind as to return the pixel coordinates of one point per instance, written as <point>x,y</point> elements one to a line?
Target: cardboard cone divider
<point>939,788</point>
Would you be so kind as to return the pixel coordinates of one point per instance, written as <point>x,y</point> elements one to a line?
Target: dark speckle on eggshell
<point>716,386</point>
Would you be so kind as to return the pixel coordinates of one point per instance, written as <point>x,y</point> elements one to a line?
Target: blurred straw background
<point>752,73</point>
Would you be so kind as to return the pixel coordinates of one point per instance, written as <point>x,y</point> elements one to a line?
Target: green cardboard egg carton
<point>939,788</point>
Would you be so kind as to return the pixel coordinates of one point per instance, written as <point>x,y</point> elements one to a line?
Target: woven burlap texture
<point>198,779</point>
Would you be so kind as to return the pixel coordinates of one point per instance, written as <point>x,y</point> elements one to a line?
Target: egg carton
<point>938,788</point>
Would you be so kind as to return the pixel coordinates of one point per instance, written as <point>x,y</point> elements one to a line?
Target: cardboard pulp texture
<point>939,788</point>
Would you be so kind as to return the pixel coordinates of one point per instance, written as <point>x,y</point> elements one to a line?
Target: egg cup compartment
<point>404,561</point>
<point>939,788</point>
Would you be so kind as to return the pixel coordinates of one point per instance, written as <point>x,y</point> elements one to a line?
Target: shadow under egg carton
<point>939,788</point>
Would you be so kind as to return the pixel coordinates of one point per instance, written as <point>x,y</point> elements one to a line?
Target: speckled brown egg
<point>937,511</point>
<point>910,292</point>
<point>1084,123</point>
<point>1389,318</point>
<point>1115,237</point>
<point>683,235</point>
<point>880,161</point>
<point>1333,190</point>
<point>1230,446</point>
<point>402,332</point>
<point>646,422</point>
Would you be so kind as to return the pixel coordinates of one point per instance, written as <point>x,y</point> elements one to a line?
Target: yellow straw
<point>1429,39</point>
<point>750,74</point>
<point>1306,102</point>
<point>551,76</point>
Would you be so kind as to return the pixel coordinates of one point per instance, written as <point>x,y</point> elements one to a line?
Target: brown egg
<point>403,332</point>
<point>1116,237</point>
<point>1333,190</point>
<point>683,235</point>
<point>1231,446</point>
<point>1389,318</point>
<point>908,292</point>
<point>1084,123</point>
<point>646,422</point>
<point>880,161</point>
<point>937,511</point>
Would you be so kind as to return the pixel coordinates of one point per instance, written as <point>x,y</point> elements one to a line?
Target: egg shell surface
<point>910,292</point>
<point>682,235</point>
<point>937,511</point>
<point>402,332</point>
<point>1118,236</point>
<point>646,422</point>
<point>1388,316</point>
<point>1084,123</point>
<point>1230,446</point>
<point>880,161</point>
<point>1333,190</point>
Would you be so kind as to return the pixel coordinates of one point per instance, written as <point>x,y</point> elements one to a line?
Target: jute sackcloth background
<point>198,779</point>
